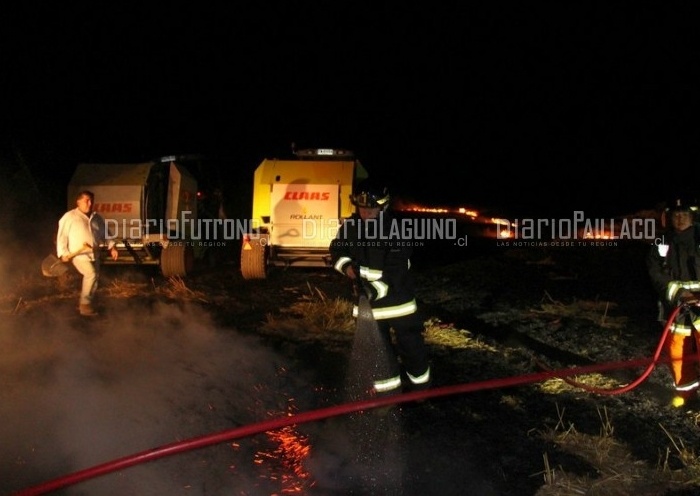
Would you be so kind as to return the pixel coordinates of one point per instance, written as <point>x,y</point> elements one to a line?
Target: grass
<point>314,315</point>
<point>616,471</point>
<point>443,334</point>
<point>28,292</point>
<point>594,311</point>
<point>176,289</point>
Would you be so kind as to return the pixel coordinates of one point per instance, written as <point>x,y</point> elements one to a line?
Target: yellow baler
<point>297,207</point>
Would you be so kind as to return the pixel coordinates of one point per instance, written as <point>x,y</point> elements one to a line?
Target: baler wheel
<point>176,260</point>
<point>254,258</point>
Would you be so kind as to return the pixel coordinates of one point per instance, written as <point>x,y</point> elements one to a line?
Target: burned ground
<point>224,352</point>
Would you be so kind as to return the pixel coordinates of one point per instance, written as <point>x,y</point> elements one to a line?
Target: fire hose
<point>356,406</point>
<point>650,367</point>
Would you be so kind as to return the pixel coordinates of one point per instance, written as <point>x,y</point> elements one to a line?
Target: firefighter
<point>674,269</point>
<point>367,251</point>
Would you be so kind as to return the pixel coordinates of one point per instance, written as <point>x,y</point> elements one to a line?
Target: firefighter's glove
<point>356,282</point>
<point>375,290</point>
<point>686,297</point>
<point>369,291</point>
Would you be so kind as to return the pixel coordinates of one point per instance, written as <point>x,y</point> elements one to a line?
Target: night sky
<point>550,106</point>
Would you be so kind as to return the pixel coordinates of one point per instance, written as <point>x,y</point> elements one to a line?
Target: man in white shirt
<point>81,231</point>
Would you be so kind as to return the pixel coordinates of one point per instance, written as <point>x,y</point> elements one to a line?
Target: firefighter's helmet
<point>369,195</point>
<point>679,204</point>
<point>682,204</point>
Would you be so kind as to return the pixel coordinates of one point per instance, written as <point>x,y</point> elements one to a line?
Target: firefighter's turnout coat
<point>674,266</point>
<point>382,261</point>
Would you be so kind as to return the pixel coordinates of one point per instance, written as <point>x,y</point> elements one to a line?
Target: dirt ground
<point>170,361</point>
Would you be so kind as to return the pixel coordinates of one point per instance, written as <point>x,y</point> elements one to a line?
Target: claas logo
<point>111,208</point>
<point>307,195</point>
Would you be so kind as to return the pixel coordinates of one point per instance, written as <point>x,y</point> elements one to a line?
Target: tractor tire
<point>176,260</point>
<point>254,259</point>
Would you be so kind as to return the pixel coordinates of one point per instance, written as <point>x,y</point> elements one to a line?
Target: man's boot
<point>87,311</point>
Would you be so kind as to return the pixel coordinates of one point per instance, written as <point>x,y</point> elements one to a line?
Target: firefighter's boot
<point>685,399</point>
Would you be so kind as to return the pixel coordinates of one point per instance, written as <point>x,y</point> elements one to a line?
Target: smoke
<point>76,393</point>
